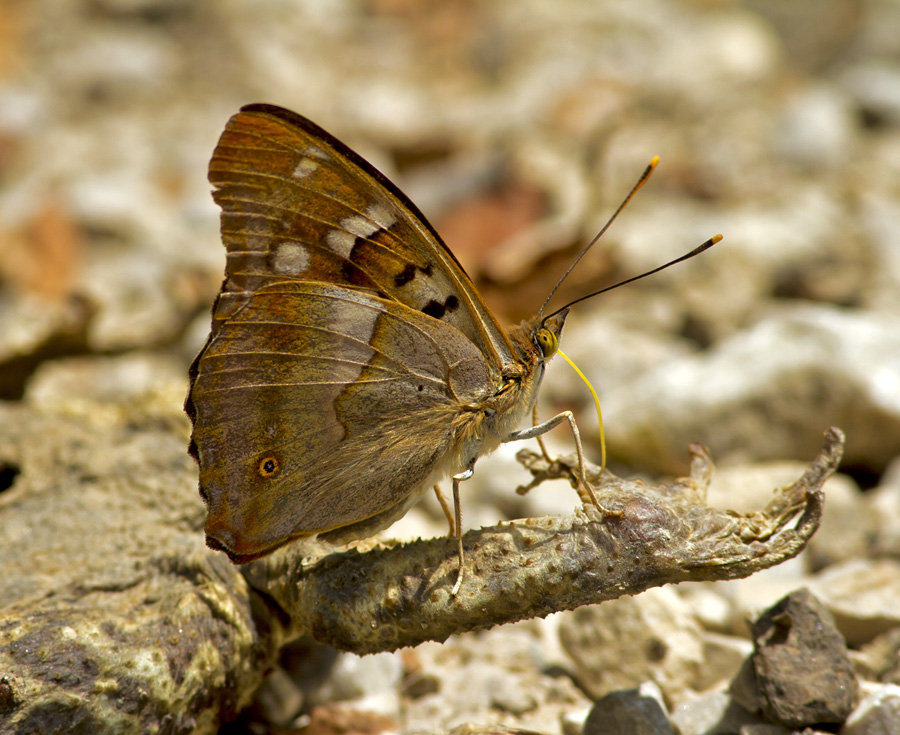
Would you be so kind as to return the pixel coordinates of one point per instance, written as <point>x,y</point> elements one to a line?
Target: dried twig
<point>649,536</point>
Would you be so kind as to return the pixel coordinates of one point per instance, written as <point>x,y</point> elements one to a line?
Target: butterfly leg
<point>457,515</point>
<point>445,506</point>
<point>540,439</point>
<point>535,431</point>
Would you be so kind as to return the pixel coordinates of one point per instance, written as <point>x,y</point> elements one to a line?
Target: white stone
<point>623,642</point>
<point>877,714</point>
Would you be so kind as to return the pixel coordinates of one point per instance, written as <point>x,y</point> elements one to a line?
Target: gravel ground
<point>517,127</point>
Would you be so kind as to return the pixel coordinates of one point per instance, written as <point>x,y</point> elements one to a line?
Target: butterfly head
<point>537,341</point>
<point>546,336</point>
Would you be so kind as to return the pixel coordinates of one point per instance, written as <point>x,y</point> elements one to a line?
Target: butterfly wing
<point>348,346</point>
<point>298,204</point>
<point>312,425</point>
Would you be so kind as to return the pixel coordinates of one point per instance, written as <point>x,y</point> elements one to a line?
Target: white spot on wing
<point>358,323</point>
<point>317,152</point>
<point>291,258</point>
<point>377,218</point>
<point>305,168</point>
<point>359,225</point>
<point>340,242</point>
<point>381,215</point>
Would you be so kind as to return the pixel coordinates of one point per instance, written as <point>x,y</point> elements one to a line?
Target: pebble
<point>863,595</point>
<point>883,504</point>
<point>621,643</point>
<point>802,668</point>
<point>817,128</point>
<point>355,678</point>
<point>875,87</point>
<point>711,713</point>
<point>877,714</point>
<point>639,711</point>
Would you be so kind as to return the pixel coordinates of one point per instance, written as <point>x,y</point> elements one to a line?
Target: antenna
<point>687,256</point>
<point>634,190</point>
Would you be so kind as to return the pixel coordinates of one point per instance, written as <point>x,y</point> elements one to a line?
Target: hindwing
<point>319,407</point>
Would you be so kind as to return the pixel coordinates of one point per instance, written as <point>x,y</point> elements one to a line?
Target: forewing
<point>298,204</point>
<point>318,407</point>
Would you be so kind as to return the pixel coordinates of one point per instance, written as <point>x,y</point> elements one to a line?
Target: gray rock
<point>768,391</point>
<point>877,714</point>
<point>639,711</point>
<point>623,642</point>
<point>712,713</point>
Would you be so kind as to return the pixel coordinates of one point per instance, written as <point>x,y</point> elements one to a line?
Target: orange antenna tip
<point>644,176</point>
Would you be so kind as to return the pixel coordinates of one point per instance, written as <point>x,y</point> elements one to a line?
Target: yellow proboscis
<point>596,403</point>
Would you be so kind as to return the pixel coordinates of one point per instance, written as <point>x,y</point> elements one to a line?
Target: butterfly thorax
<point>489,422</point>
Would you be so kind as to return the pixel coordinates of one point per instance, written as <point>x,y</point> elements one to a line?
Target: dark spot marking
<point>352,275</point>
<point>409,273</point>
<point>434,308</point>
<point>405,276</point>
<point>421,388</point>
<point>269,467</point>
<point>358,244</point>
<point>348,270</point>
<point>437,309</point>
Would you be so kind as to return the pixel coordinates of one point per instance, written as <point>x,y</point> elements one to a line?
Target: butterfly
<point>351,363</point>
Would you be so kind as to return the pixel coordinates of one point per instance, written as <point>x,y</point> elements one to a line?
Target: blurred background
<point>517,126</point>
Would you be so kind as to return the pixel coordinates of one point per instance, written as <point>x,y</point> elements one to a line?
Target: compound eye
<point>546,341</point>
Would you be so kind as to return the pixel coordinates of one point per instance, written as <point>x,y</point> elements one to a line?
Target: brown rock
<point>801,663</point>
